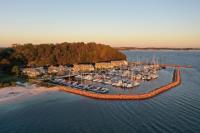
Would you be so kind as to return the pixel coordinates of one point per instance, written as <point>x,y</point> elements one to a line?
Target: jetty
<point>176,80</point>
<point>165,65</point>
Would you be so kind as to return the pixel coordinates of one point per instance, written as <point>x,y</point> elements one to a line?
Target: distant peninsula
<point>153,48</point>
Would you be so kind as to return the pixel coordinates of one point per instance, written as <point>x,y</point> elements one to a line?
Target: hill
<point>58,54</point>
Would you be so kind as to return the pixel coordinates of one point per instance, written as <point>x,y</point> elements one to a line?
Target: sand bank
<point>19,92</point>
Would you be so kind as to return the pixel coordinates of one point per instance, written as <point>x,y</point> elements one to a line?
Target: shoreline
<point>156,49</point>
<point>9,94</point>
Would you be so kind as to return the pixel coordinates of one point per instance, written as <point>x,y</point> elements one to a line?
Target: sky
<point>134,23</point>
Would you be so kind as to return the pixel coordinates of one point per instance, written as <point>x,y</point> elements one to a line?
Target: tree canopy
<point>59,54</point>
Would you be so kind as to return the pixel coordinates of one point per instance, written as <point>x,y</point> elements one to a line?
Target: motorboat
<point>109,82</point>
<point>88,77</point>
<point>103,90</point>
<point>95,80</point>
<point>154,76</point>
<point>135,83</point>
<point>129,85</point>
<point>100,81</point>
<point>80,86</point>
<point>118,84</point>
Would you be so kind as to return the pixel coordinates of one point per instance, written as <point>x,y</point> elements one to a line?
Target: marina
<point>176,80</point>
<point>133,78</point>
<point>112,78</point>
<point>121,79</point>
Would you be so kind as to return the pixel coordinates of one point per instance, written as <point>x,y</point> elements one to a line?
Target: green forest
<point>56,54</point>
<point>12,58</point>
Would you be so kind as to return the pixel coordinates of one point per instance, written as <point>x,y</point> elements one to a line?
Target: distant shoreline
<point>162,49</point>
<point>145,48</point>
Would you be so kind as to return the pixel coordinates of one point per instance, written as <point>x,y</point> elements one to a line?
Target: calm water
<point>177,110</point>
<point>165,76</point>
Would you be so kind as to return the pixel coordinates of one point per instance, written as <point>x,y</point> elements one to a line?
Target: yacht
<point>103,90</point>
<point>118,84</point>
<point>95,80</point>
<point>100,80</point>
<point>129,85</point>
<point>154,76</point>
<point>135,83</point>
<point>88,77</point>
<point>80,86</point>
<point>109,82</point>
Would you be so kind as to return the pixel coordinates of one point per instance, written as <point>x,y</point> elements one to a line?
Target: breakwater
<point>176,80</point>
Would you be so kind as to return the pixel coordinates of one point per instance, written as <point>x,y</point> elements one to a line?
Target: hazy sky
<point>139,23</point>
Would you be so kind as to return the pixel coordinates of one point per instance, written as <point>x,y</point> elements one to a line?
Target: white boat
<point>118,84</point>
<point>129,85</point>
<point>104,90</point>
<point>109,82</point>
<point>136,83</point>
<point>124,84</point>
<point>78,76</point>
<point>100,81</point>
<point>149,77</point>
<point>154,76</point>
<point>95,80</point>
<point>21,84</point>
<point>88,77</point>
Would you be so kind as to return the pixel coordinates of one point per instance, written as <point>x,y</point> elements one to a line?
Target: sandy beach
<point>21,92</point>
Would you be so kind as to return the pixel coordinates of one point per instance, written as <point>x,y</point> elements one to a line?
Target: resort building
<point>32,72</point>
<point>119,63</point>
<point>103,65</point>
<point>83,67</point>
<point>60,70</point>
<point>53,70</point>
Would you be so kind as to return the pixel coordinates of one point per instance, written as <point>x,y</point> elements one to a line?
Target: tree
<point>64,53</point>
<point>15,70</point>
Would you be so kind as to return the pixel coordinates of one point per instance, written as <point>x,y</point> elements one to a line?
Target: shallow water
<point>176,110</point>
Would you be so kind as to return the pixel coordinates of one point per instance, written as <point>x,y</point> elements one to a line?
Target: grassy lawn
<point>9,80</point>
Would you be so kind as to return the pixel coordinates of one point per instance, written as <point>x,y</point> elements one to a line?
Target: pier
<point>164,65</point>
<point>176,80</point>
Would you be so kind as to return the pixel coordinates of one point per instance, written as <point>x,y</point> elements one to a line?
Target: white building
<point>32,72</point>
<point>60,70</point>
<point>119,63</point>
<point>103,65</point>
<point>83,67</point>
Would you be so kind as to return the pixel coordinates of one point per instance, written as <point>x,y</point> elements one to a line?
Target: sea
<point>175,111</point>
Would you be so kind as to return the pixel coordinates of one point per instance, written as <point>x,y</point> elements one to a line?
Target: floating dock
<point>176,80</point>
